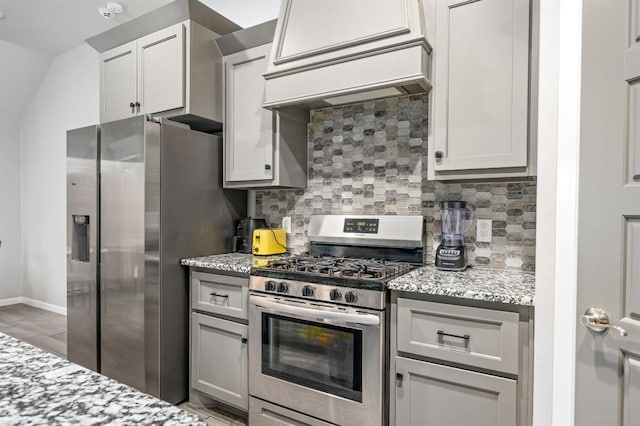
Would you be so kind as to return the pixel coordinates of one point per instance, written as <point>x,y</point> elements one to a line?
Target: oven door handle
<point>361,319</point>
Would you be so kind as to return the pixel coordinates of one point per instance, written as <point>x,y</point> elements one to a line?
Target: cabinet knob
<point>244,340</point>
<point>399,379</point>
<point>131,105</point>
<point>267,166</point>
<point>439,155</point>
<point>137,104</point>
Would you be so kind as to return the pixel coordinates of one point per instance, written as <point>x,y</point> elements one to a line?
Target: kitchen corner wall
<point>67,98</point>
<point>371,158</point>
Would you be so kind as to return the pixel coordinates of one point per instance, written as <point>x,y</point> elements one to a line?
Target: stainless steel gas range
<point>319,323</point>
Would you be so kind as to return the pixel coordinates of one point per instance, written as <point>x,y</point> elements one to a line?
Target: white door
<point>161,73</point>
<point>118,83</point>
<point>248,126</point>
<point>607,386</point>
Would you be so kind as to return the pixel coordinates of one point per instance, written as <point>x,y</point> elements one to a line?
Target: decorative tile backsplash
<point>370,158</point>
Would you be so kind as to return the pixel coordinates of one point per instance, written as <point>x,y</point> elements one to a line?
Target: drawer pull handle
<point>216,295</point>
<point>399,379</point>
<point>442,334</point>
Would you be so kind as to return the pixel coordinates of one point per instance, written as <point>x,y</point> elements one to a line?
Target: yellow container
<point>268,241</point>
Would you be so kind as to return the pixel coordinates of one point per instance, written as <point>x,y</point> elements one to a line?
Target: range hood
<point>330,52</point>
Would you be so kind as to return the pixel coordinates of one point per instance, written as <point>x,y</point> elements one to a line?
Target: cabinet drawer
<point>219,359</point>
<point>483,338</point>
<point>263,413</point>
<point>220,294</point>
<point>432,394</point>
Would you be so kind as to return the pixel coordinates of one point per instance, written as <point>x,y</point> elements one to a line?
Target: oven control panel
<point>361,226</point>
<point>366,298</point>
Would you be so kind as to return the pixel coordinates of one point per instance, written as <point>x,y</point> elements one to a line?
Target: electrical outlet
<point>483,230</point>
<point>286,224</point>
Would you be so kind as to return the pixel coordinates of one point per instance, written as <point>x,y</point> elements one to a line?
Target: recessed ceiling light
<point>2,16</point>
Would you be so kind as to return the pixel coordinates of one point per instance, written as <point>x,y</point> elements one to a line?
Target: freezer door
<point>122,251</point>
<point>82,243</point>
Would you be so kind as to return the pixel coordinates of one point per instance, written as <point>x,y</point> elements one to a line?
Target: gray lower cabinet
<point>219,359</point>
<point>219,367</point>
<point>464,363</point>
<point>433,394</point>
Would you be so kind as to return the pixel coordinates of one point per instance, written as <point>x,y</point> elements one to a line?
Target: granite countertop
<point>230,262</point>
<point>479,284</point>
<point>37,387</point>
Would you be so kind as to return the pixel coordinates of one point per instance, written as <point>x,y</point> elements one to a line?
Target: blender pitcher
<point>457,219</point>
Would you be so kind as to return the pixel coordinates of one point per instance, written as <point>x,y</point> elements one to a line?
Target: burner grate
<point>341,267</point>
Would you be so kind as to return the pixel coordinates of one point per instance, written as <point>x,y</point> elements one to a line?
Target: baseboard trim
<point>35,303</point>
<point>11,301</point>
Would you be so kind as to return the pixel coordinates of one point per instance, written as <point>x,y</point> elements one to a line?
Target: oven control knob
<point>335,294</point>
<point>350,297</point>
<point>283,287</point>
<point>270,286</point>
<point>307,291</point>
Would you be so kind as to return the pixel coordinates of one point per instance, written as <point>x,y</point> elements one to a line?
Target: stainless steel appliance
<point>318,324</point>
<point>457,218</point>
<point>141,195</point>
<point>243,239</point>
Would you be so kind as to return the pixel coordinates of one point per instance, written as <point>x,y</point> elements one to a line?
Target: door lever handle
<point>597,320</point>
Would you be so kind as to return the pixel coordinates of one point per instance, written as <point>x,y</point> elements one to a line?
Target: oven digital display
<point>361,226</point>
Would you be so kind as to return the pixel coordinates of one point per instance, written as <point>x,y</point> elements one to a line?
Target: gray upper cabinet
<point>161,70</point>
<point>481,103</point>
<point>118,82</point>
<point>262,148</point>
<point>174,71</point>
<point>249,127</point>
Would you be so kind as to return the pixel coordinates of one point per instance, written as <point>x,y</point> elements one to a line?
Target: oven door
<point>319,359</point>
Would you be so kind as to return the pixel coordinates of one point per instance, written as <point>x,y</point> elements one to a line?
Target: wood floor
<point>48,331</point>
<point>41,328</point>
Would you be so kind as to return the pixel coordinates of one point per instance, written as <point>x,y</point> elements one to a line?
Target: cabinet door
<point>248,127</point>
<point>431,394</point>
<point>161,62</point>
<point>481,84</point>
<point>118,83</point>
<point>219,361</point>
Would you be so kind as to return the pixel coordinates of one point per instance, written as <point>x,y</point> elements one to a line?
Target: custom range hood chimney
<point>329,52</point>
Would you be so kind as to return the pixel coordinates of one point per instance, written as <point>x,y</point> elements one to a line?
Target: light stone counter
<point>479,284</point>
<point>38,388</point>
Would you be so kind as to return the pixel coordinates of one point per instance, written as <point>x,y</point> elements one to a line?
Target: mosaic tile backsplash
<point>370,158</point>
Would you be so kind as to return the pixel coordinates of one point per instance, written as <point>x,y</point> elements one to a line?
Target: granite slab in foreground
<point>479,284</point>
<point>39,388</point>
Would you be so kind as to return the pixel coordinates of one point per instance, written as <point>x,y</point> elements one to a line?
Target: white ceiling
<point>55,26</point>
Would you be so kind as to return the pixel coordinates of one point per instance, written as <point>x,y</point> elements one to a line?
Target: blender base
<point>451,258</point>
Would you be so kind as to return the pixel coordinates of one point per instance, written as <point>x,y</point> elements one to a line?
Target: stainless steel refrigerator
<point>141,195</point>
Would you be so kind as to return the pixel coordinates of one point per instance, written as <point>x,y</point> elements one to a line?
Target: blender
<point>457,218</point>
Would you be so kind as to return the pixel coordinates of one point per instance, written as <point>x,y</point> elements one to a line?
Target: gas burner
<point>340,267</point>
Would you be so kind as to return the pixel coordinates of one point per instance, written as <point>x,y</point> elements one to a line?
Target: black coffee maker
<point>243,240</point>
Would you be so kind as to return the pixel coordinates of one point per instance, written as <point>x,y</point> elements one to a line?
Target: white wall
<point>20,73</point>
<point>66,99</point>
